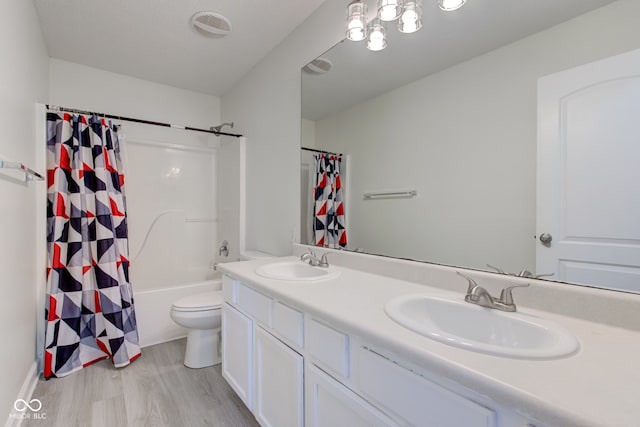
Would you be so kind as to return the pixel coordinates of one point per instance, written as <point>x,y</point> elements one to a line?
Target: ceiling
<point>446,39</point>
<point>153,39</point>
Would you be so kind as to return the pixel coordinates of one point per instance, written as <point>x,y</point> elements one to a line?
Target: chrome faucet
<point>478,295</point>
<point>311,258</point>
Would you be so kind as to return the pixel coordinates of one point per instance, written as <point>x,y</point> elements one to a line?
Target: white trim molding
<point>26,392</point>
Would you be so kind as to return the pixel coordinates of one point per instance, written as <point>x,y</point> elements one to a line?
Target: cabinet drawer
<point>254,304</point>
<point>229,289</point>
<point>288,323</point>
<point>329,347</point>
<point>414,398</point>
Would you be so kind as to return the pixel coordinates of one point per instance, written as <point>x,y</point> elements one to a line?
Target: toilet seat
<point>199,302</point>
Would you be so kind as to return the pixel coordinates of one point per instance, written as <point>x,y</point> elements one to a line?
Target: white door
<point>279,383</point>
<point>589,174</point>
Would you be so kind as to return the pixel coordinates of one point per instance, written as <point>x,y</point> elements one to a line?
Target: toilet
<point>201,315</point>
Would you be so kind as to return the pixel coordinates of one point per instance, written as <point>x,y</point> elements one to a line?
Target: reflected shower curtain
<point>89,307</point>
<point>328,223</point>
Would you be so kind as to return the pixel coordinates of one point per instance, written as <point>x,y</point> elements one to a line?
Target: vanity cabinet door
<point>331,404</point>
<point>237,353</point>
<point>278,382</point>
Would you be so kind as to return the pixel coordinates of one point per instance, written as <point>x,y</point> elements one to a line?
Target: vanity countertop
<point>597,386</point>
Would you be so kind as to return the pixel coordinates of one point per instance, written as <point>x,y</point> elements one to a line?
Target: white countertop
<point>598,386</point>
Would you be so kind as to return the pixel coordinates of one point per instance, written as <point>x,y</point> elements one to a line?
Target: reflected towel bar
<point>29,174</point>
<point>391,195</point>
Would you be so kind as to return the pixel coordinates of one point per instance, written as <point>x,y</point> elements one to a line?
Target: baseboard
<point>26,391</point>
<point>164,339</point>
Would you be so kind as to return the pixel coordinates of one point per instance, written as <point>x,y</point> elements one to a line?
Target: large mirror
<point>447,117</point>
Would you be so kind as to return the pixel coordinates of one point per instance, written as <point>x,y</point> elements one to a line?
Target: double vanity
<point>339,346</point>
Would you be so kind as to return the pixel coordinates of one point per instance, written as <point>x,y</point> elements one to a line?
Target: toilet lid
<point>199,302</point>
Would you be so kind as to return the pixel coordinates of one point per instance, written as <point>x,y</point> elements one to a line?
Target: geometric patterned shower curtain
<point>89,307</point>
<point>329,221</point>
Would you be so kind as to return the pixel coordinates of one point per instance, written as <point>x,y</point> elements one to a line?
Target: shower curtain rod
<point>146,122</point>
<point>320,151</point>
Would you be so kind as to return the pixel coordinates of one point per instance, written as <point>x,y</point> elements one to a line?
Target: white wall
<point>465,139</point>
<point>308,133</point>
<point>170,177</point>
<point>127,96</point>
<point>23,82</point>
<point>230,195</point>
<point>265,106</point>
<point>266,103</point>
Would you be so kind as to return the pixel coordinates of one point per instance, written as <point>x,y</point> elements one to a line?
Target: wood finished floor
<point>155,390</point>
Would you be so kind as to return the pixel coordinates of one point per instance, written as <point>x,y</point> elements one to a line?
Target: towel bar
<point>29,174</point>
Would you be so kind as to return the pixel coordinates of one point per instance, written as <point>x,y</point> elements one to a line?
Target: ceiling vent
<point>318,66</point>
<point>211,24</point>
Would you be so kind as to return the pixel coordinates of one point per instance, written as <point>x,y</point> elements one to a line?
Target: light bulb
<point>377,39</point>
<point>356,26</point>
<point>388,10</point>
<point>411,19</point>
<point>449,5</point>
<point>409,15</point>
<point>355,30</point>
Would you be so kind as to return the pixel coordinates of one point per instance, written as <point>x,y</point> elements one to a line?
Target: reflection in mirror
<point>451,112</point>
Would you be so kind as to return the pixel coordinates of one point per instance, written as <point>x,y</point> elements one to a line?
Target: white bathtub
<point>152,310</point>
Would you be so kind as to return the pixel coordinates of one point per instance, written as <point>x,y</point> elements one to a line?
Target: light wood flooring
<point>155,390</point>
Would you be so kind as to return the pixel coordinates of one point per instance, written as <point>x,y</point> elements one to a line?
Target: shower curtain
<point>89,307</point>
<point>329,221</point>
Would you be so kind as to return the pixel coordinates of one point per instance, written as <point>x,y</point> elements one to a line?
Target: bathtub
<point>152,310</point>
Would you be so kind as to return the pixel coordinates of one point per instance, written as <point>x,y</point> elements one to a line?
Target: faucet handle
<point>309,252</point>
<point>323,260</point>
<point>498,270</point>
<point>506,297</point>
<point>525,273</point>
<point>472,283</point>
<point>537,276</point>
<point>307,256</point>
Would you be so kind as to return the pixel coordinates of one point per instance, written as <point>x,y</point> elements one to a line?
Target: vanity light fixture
<point>450,5</point>
<point>407,12</point>
<point>357,20</point>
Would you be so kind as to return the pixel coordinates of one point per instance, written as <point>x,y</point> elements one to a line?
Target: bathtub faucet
<point>224,249</point>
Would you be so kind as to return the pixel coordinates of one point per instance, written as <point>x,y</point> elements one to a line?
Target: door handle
<point>545,239</point>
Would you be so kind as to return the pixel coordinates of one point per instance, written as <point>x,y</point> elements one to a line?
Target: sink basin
<point>480,329</point>
<point>296,271</point>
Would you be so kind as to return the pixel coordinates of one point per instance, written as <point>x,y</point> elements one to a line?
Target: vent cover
<point>318,66</point>
<point>211,24</point>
